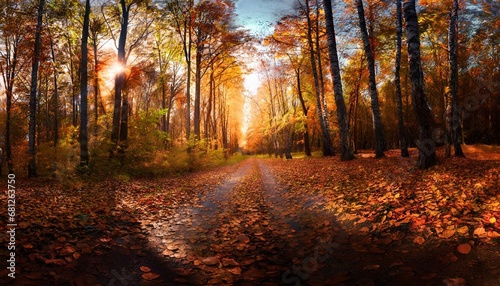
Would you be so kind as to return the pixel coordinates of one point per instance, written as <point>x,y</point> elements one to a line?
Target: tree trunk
<point>305,110</point>
<point>120,77</point>
<point>56,91</point>
<point>448,122</point>
<point>197,92</point>
<point>84,150</point>
<point>402,135</point>
<point>327,143</point>
<point>33,92</point>
<point>9,76</point>
<point>209,105</point>
<point>453,50</point>
<point>321,78</point>
<point>163,91</point>
<point>377,121</point>
<point>96,85</point>
<point>426,146</point>
<point>124,121</point>
<point>345,148</point>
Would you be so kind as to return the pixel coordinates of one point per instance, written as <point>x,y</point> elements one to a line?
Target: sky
<point>259,16</point>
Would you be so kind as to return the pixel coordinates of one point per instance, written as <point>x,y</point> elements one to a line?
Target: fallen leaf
<point>229,262</point>
<point>182,271</point>
<point>150,276</point>
<point>428,276</point>
<point>463,230</point>
<point>211,261</point>
<point>449,258</point>
<point>235,271</point>
<point>479,231</point>
<point>338,278</point>
<point>55,261</point>
<point>372,267</point>
<point>447,233</point>
<point>243,238</point>
<point>464,248</point>
<point>493,234</point>
<point>419,240</point>
<point>455,282</point>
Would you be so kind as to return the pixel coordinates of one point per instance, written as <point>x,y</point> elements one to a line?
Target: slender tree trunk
<point>169,108</point>
<point>120,77</point>
<point>56,91</point>
<point>96,85</point>
<point>197,93</point>
<point>402,135</point>
<point>84,141</point>
<point>426,146</point>
<point>209,105</point>
<point>321,78</point>
<point>124,120</point>
<point>305,110</point>
<point>327,143</point>
<point>9,76</point>
<point>8,145</point>
<point>453,47</point>
<point>187,53</point>
<point>448,122</point>
<point>377,120</point>
<point>163,91</point>
<point>163,105</point>
<point>33,91</point>
<point>345,148</point>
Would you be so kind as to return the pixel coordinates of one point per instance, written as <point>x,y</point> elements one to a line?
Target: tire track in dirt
<point>249,230</point>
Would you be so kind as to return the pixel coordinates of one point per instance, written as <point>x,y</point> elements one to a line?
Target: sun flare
<point>116,69</point>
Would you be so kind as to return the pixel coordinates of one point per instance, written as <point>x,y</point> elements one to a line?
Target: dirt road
<point>260,222</point>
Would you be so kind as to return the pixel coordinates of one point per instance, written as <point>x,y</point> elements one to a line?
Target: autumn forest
<point>171,143</point>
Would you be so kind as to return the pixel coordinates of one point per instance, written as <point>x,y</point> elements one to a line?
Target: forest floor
<point>310,221</point>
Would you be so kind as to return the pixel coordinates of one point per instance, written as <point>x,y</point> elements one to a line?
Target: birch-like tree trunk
<point>377,120</point>
<point>403,142</point>
<point>84,141</point>
<point>426,146</point>
<point>345,148</point>
<point>325,134</point>
<point>453,50</point>
<point>120,77</point>
<point>33,91</point>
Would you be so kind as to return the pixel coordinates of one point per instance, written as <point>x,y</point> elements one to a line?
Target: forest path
<point>272,223</point>
<point>311,221</point>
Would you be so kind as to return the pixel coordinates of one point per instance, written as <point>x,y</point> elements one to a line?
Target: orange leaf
<point>493,234</point>
<point>479,231</point>
<point>55,261</point>
<point>464,248</point>
<point>419,240</point>
<point>210,261</point>
<point>150,276</point>
<point>235,271</point>
<point>448,233</point>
